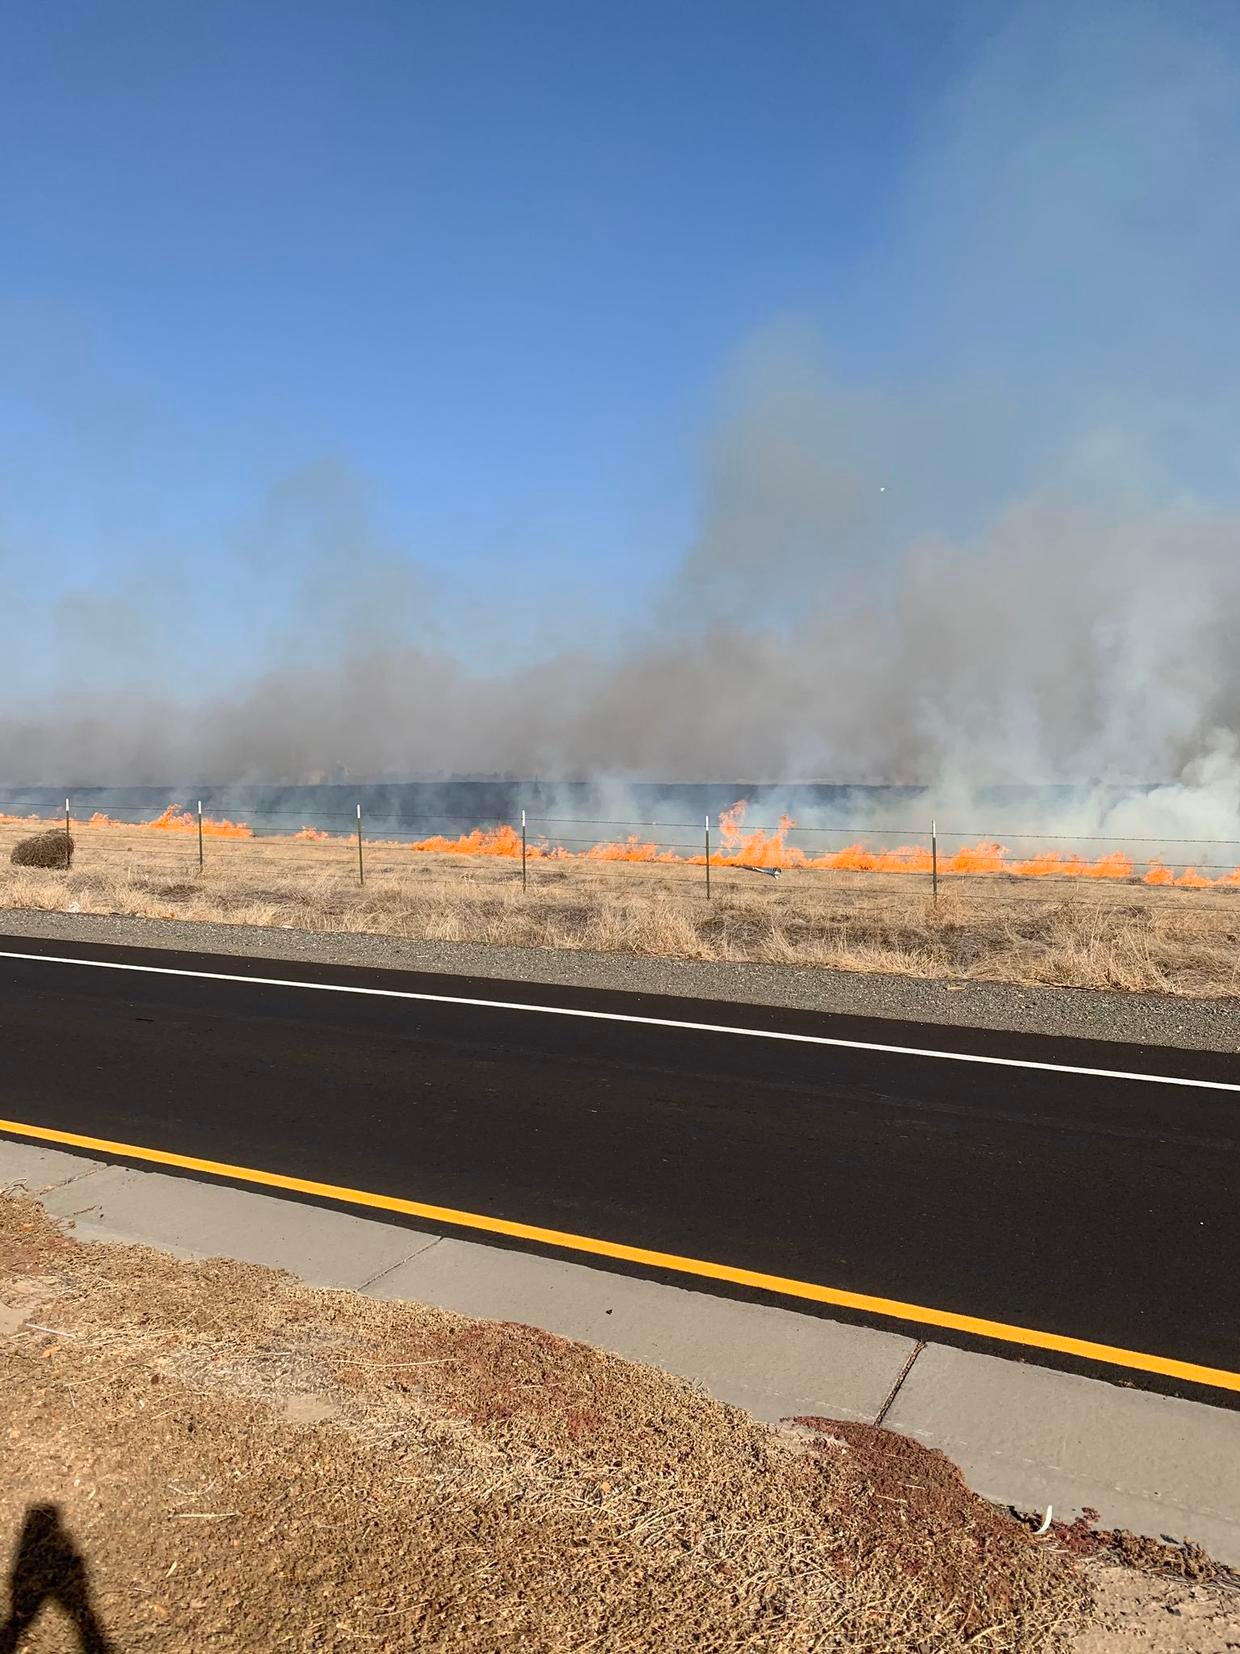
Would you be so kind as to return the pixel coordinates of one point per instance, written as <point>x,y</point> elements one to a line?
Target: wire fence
<point>920,855</point>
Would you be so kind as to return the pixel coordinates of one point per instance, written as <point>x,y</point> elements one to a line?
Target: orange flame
<point>497,841</point>
<point>630,849</point>
<point>1190,878</point>
<point>762,848</point>
<point>174,819</point>
<point>1055,864</point>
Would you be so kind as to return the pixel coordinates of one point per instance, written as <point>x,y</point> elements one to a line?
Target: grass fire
<point>738,846</point>
<point>996,918</point>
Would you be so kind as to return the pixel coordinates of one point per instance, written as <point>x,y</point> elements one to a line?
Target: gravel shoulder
<point>1137,1018</point>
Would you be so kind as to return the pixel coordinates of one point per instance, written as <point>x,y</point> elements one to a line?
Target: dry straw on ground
<point>1072,933</point>
<point>249,1464</point>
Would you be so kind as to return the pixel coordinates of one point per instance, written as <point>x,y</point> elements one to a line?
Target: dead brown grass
<point>249,1464</point>
<point>1071,933</point>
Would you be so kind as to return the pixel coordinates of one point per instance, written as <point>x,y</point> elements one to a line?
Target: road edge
<point>1024,1435</point>
<point>1080,1013</point>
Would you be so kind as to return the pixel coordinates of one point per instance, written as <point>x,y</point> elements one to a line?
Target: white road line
<point>622,1016</point>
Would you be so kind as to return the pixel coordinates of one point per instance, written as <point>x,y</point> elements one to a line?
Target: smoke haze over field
<point>1007,552</point>
<point>1063,646</point>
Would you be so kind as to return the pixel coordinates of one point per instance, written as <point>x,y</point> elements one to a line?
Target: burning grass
<point>1094,933</point>
<point>758,849</point>
<point>246,1463</point>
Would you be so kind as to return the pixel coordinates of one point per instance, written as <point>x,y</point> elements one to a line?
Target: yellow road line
<point>891,1308</point>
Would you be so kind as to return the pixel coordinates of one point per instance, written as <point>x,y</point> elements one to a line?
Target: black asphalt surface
<point>1098,1208</point>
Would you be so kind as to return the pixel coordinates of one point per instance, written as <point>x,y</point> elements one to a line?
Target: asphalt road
<point>1094,1207</point>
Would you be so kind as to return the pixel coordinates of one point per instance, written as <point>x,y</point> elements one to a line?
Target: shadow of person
<point>49,1568</point>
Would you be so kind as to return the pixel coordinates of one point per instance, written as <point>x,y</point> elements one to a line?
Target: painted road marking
<point>890,1308</point>
<point>622,1016</point>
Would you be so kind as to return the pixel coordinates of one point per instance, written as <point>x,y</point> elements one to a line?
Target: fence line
<point>853,832</point>
<point>757,841</point>
<point>845,835</point>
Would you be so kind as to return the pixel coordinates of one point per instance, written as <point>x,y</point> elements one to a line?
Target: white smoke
<point>1008,556</point>
<point>1062,647</point>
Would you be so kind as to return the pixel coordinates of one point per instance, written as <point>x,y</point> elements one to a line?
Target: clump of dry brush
<point>52,849</point>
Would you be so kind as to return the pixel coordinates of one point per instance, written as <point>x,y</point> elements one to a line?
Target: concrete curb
<point>1023,1435</point>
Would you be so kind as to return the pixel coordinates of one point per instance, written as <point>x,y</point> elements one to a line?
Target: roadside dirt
<point>214,1456</point>
<point>1139,1614</point>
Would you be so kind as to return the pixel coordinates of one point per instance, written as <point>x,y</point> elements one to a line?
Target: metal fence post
<point>934,859</point>
<point>200,835</point>
<point>523,850</point>
<point>68,840</point>
<point>708,856</point>
<point>361,866</point>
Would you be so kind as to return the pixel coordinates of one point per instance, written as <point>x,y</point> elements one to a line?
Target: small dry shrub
<point>53,849</point>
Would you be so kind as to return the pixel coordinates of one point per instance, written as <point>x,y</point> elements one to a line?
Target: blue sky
<point>476,295</point>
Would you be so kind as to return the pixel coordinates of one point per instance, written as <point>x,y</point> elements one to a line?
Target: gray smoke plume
<point>1014,559</point>
<point>1092,645</point>
<point>1063,645</point>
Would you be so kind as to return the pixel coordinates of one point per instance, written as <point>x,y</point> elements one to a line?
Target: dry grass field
<point>1070,932</point>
